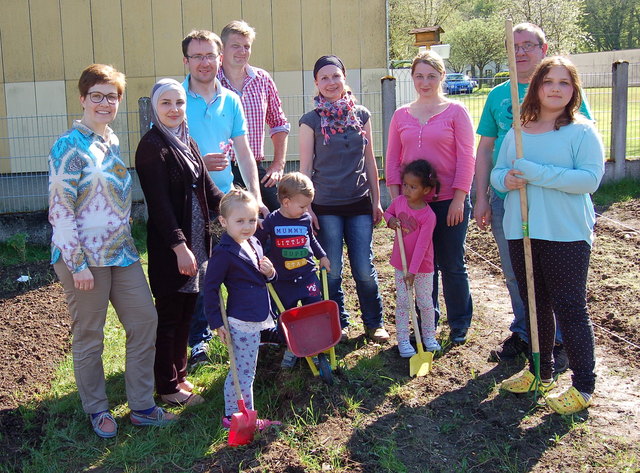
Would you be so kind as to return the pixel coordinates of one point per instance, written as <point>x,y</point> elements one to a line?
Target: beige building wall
<point>45,45</point>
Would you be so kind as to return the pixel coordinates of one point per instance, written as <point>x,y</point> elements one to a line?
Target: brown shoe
<point>377,334</point>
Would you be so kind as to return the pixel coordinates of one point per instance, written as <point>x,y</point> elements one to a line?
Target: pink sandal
<point>185,386</point>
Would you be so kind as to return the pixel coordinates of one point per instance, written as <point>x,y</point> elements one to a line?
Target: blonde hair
<point>295,183</point>
<point>429,58</point>
<point>240,27</point>
<point>237,197</point>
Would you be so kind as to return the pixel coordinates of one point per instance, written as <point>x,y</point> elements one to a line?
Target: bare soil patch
<point>452,420</point>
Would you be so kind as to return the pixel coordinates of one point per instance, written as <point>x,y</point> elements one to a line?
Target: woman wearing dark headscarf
<point>179,195</point>
<point>336,152</point>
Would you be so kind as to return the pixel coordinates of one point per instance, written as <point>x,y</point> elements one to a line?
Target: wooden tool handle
<point>524,206</point>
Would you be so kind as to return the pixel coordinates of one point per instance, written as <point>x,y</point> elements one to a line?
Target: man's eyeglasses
<point>526,47</point>
<point>97,97</point>
<point>200,57</point>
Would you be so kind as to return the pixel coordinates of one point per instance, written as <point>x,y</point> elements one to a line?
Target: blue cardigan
<point>248,297</point>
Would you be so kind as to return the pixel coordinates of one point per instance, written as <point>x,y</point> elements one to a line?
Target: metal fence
<point>24,167</point>
<point>25,141</point>
<point>597,89</point>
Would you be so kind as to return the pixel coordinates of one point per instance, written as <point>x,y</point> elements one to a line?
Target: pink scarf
<point>336,116</point>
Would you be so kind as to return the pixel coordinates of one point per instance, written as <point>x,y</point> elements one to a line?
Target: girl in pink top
<point>434,125</point>
<point>410,212</point>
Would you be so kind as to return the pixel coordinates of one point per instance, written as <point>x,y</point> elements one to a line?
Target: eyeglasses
<point>200,57</point>
<point>526,47</point>
<point>97,97</point>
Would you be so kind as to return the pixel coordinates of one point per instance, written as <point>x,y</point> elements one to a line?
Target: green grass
<point>64,441</point>
<point>621,191</point>
<point>600,102</point>
<point>16,250</point>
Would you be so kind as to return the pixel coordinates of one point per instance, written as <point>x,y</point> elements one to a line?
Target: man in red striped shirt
<point>261,104</point>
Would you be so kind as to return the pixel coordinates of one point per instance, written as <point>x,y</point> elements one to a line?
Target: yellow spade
<point>420,363</point>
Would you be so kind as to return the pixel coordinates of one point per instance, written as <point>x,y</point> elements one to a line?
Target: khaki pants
<point>128,291</point>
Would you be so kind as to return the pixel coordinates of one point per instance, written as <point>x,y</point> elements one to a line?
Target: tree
<point>476,42</point>
<point>405,15</point>
<point>611,24</point>
<point>560,20</point>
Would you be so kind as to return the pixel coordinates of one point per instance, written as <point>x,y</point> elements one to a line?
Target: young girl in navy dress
<point>239,263</point>
<point>410,212</point>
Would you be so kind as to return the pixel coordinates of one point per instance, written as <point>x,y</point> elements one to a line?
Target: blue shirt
<point>214,123</point>
<point>497,116</point>
<point>89,201</point>
<point>561,168</point>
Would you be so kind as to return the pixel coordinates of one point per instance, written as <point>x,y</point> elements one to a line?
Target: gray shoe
<point>289,360</point>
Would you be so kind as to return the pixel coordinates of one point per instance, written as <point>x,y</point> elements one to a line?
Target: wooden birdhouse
<point>427,36</point>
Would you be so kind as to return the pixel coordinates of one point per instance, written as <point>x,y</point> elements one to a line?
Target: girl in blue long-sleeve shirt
<point>563,163</point>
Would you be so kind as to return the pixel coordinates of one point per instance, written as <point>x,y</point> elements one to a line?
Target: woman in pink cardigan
<point>439,130</point>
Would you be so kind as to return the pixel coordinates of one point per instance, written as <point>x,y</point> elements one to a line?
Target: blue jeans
<point>199,332</point>
<point>519,324</point>
<point>357,234</point>
<point>448,250</point>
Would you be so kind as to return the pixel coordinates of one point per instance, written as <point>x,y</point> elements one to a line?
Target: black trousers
<point>269,194</point>
<point>174,319</point>
<point>560,282</point>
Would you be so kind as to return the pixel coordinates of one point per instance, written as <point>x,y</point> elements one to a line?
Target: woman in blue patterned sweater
<point>94,256</point>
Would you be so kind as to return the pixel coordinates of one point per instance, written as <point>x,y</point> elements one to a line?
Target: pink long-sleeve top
<point>417,235</point>
<point>446,140</point>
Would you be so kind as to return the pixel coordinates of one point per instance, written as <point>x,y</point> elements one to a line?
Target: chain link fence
<point>597,89</point>
<point>25,141</point>
<point>24,149</point>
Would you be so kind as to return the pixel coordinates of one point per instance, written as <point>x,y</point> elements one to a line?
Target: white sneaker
<point>432,344</point>
<point>406,349</point>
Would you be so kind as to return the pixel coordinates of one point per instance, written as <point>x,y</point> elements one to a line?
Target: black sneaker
<point>198,359</point>
<point>458,337</point>
<point>270,337</point>
<point>560,359</point>
<point>511,348</point>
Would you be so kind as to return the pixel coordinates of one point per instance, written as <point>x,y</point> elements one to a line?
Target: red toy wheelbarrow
<point>312,329</point>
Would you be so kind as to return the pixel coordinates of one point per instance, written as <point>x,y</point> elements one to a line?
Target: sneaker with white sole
<point>289,360</point>
<point>431,344</point>
<point>406,349</point>
<point>158,417</point>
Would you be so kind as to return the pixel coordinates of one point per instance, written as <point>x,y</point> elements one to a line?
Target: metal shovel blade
<point>420,363</point>
<point>243,426</point>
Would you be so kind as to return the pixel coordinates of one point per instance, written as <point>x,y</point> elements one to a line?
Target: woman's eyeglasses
<point>97,97</point>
